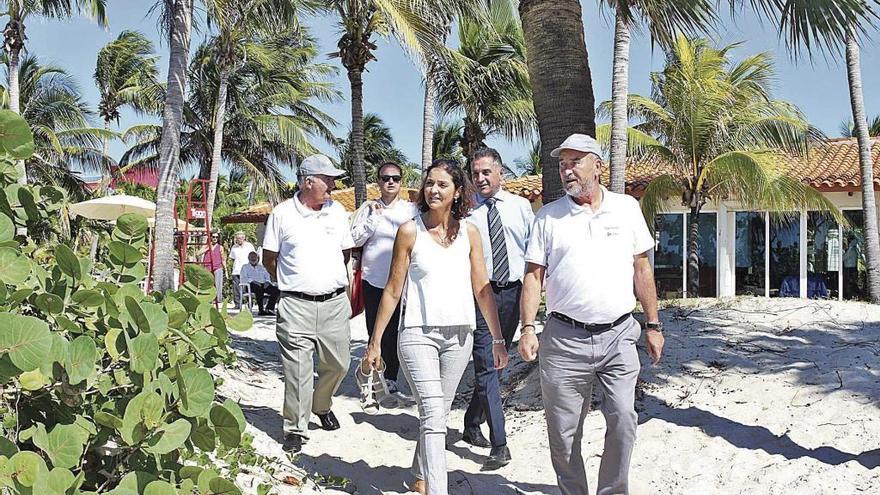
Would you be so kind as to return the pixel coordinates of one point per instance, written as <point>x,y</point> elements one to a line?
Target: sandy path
<point>753,396</point>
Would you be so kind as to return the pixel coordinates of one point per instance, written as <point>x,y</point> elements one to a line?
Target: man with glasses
<point>592,246</point>
<point>374,229</point>
<point>306,249</point>
<point>504,221</point>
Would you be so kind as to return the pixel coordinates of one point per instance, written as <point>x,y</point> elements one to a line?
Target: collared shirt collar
<point>575,208</point>
<point>306,211</point>
<point>499,196</point>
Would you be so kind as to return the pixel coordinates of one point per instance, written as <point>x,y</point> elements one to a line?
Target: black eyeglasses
<point>390,178</point>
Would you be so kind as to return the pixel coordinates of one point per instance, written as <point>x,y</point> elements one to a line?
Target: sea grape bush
<point>104,389</point>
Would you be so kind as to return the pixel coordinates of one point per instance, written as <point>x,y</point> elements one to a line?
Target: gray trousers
<point>236,291</point>
<point>218,284</point>
<point>571,360</point>
<point>433,360</point>
<point>303,328</point>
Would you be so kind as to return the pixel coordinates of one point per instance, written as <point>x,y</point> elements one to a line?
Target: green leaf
<point>63,445</point>
<point>81,358</point>
<point>113,344</point>
<point>27,466</point>
<point>14,269</point>
<point>124,254</point>
<point>190,472</point>
<point>49,304</point>
<point>205,478</point>
<point>109,420</point>
<point>26,339</point>
<point>244,320</point>
<point>88,298</point>
<point>160,487</point>
<point>196,388</point>
<point>199,282</point>
<point>142,413</point>
<point>157,318</point>
<point>7,229</point>
<point>55,483</point>
<point>68,262</point>
<point>136,313</point>
<point>177,313</point>
<point>33,380</point>
<point>219,325</point>
<point>220,486</point>
<point>226,426</point>
<point>169,437</point>
<point>131,225</point>
<point>16,139</point>
<point>7,369</point>
<point>137,481</point>
<point>7,448</point>
<point>203,436</point>
<point>236,411</point>
<point>143,351</point>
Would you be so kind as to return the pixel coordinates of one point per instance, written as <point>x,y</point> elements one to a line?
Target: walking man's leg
<point>334,350</point>
<point>295,329</point>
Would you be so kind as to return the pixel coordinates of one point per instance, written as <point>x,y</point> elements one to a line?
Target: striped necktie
<point>500,267</point>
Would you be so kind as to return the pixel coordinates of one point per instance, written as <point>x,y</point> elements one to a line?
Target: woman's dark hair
<point>389,164</point>
<point>461,207</point>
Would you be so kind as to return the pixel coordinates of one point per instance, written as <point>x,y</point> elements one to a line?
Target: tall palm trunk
<point>169,148</point>
<point>217,151</point>
<point>860,124</point>
<point>14,46</point>
<point>559,71</point>
<point>693,260</point>
<point>359,173</point>
<point>619,92</point>
<point>428,119</point>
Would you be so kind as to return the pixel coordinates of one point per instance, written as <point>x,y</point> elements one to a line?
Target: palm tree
<point>446,140</point>
<point>59,118</point>
<point>530,165</point>
<point>714,127</point>
<point>487,80</point>
<point>242,26</point>
<point>414,23</point>
<point>270,119</point>
<point>664,19</point>
<point>378,147</point>
<point>176,20</point>
<point>126,76</point>
<point>848,130</point>
<point>14,37</point>
<point>559,73</point>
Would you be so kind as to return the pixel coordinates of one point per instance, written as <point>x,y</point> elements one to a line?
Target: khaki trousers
<point>303,328</point>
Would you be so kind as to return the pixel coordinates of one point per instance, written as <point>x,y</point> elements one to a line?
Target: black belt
<point>590,327</point>
<point>310,297</point>
<point>502,285</point>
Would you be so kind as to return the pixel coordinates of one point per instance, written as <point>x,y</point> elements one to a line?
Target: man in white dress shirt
<point>589,250</point>
<point>306,249</point>
<point>238,253</point>
<point>374,229</point>
<point>504,221</point>
<point>255,275</point>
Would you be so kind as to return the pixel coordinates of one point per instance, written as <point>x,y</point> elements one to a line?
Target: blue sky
<point>393,86</point>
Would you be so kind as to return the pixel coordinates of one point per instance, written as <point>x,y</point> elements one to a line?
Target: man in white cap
<point>306,248</point>
<point>591,245</point>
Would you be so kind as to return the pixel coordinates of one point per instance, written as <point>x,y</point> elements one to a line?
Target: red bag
<point>357,294</point>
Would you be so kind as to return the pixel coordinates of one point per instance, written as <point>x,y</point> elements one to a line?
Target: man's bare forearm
<point>646,290</point>
<point>270,263</point>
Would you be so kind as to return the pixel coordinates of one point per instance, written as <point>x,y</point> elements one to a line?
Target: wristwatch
<point>654,325</point>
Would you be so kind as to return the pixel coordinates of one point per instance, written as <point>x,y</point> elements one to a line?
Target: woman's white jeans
<point>433,360</point>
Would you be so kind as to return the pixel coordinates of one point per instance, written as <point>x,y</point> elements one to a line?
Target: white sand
<point>753,396</point>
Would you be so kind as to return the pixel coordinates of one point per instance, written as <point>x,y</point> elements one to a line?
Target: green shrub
<point>104,389</point>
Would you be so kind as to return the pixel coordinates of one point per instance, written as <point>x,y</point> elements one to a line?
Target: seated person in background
<point>255,275</point>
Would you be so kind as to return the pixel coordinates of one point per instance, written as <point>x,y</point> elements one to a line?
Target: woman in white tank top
<point>438,260</point>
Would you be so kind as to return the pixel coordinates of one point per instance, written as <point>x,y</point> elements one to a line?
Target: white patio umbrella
<point>111,207</point>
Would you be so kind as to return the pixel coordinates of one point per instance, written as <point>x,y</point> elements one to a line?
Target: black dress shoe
<point>475,437</point>
<point>329,421</point>
<point>292,443</point>
<point>498,458</point>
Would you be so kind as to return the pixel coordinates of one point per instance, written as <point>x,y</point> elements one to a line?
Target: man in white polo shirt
<point>589,250</point>
<point>306,248</point>
<point>238,253</point>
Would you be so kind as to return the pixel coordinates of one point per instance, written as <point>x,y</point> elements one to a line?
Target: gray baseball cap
<point>319,165</point>
<point>579,142</point>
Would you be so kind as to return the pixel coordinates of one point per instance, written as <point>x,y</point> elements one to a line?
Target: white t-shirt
<point>376,232</point>
<point>309,244</point>
<point>516,220</point>
<point>239,255</point>
<point>589,256</point>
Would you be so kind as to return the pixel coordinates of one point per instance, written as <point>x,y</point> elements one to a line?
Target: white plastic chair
<point>245,290</point>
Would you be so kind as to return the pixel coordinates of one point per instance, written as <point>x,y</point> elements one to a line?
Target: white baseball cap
<point>579,142</point>
<point>319,165</point>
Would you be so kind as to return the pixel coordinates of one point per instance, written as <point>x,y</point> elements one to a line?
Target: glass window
<point>823,255</point>
<point>785,261</point>
<point>855,276</point>
<point>749,253</point>
<point>668,255</point>
<point>707,253</point>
